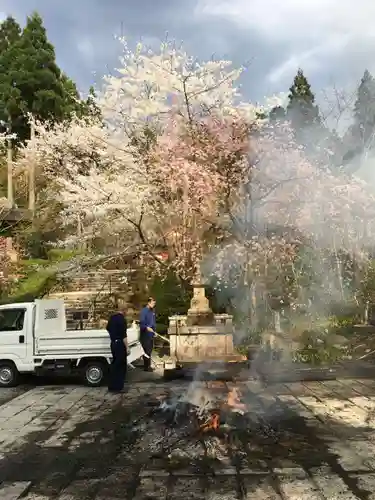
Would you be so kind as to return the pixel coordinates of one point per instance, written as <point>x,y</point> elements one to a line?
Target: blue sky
<point>332,40</point>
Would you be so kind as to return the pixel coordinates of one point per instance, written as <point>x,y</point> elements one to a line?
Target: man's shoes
<point>149,369</point>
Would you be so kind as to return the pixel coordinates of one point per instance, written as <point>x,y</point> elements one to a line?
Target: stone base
<point>201,318</point>
<point>202,347</point>
<point>222,323</point>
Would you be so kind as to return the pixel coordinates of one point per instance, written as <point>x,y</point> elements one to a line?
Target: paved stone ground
<point>304,441</point>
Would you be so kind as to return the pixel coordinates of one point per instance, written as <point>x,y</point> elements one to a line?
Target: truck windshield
<point>11,319</point>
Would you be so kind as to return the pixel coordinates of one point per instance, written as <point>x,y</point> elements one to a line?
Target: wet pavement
<point>300,440</point>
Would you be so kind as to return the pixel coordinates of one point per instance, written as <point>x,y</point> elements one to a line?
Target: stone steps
<point>90,280</point>
<point>91,292</point>
<point>93,302</point>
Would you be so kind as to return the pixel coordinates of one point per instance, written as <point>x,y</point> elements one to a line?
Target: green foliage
<point>277,113</point>
<point>89,107</point>
<point>301,108</point>
<point>30,80</point>
<point>46,229</point>
<point>368,283</point>
<point>35,285</point>
<point>343,325</point>
<point>243,348</point>
<point>321,144</point>
<point>359,136</point>
<point>364,109</point>
<point>342,319</point>
<point>246,342</point>
<point>10,33</point>
<point>172,297</point>
<point>62,255</point>
<point>32,264</point>
<point>317,356</point>
<point>37,276</point>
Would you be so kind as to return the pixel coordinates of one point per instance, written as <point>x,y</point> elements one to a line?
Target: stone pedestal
<point>202,336</point>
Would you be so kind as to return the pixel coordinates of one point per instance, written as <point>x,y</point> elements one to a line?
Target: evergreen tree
<point>32,82</point>
<point>89,107</point>
<point>10,32</point>
<point>321,144</point>
<point>301,109</point>
<point>364,111</point>
<point>277,113</point>
<point>359,138</point>
<point>10,97</point>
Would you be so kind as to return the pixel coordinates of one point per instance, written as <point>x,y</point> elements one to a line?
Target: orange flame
<point>213,423</point>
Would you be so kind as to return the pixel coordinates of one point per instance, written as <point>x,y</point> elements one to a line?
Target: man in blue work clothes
<point>147,326</point>
<point>117,329</point>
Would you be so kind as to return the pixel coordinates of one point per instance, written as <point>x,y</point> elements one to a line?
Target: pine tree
<point>72,100</point>
<point>89,106</point>
<point>32,82</point>
<point>321,144</point>
<point>359,138</point>
<point>10,98</point>
<point>39,78</point>
<point>301,109</point>
<point>277,113</point>
<point>10,32</point>
<point>364,111</point>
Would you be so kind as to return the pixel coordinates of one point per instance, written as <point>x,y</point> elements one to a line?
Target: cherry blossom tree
<point>191,167</point>
<point>112,178</point>
<point>290,203</point>
<point>149,87</point>
<point>182,164</point>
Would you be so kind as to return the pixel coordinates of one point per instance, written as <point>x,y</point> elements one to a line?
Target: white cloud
<point>86,48</point>
<point>307,19</point>
<point>310,59</point>
<point>311,32</point>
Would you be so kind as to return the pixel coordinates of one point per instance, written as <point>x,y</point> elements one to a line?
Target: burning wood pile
<point>232,404</point>
<point>202,408</point>
<point>215,426</point>
<point>203,424</point>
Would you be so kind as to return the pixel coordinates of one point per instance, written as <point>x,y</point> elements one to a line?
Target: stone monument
<point>201,336</point>
<point>200,312</point>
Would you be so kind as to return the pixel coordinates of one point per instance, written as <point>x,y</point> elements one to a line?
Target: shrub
<point>172,297</point>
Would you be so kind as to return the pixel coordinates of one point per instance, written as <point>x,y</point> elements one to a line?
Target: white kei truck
<point>34,340</point>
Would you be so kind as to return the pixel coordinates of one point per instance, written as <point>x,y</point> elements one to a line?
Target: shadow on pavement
<point>108,452</point>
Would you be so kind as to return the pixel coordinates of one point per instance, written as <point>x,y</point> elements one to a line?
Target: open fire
<point>202,408</point>
<point>232,403</point>
<point>211,432</point>
<point>213,423</point>
<point>207,418</point>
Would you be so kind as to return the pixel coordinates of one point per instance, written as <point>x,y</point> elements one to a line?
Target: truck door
<point>13,339</point>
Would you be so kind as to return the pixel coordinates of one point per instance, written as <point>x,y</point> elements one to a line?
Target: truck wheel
<point>94,373</point>
<point>9,375</point>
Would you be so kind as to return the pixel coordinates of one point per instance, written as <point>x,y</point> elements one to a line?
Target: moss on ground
<point>36,277</point>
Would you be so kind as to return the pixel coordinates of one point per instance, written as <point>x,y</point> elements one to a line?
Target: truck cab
<point>34,340</point>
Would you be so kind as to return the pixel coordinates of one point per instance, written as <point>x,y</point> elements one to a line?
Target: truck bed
<point>78,342</point>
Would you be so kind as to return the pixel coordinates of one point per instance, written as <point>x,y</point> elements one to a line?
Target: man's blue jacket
<point>147,320</point>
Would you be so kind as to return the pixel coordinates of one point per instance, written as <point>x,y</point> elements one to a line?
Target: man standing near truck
<point>147,330</point>
<point>117,329</point>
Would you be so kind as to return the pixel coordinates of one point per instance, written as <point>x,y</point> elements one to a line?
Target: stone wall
<point>92,293</point>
